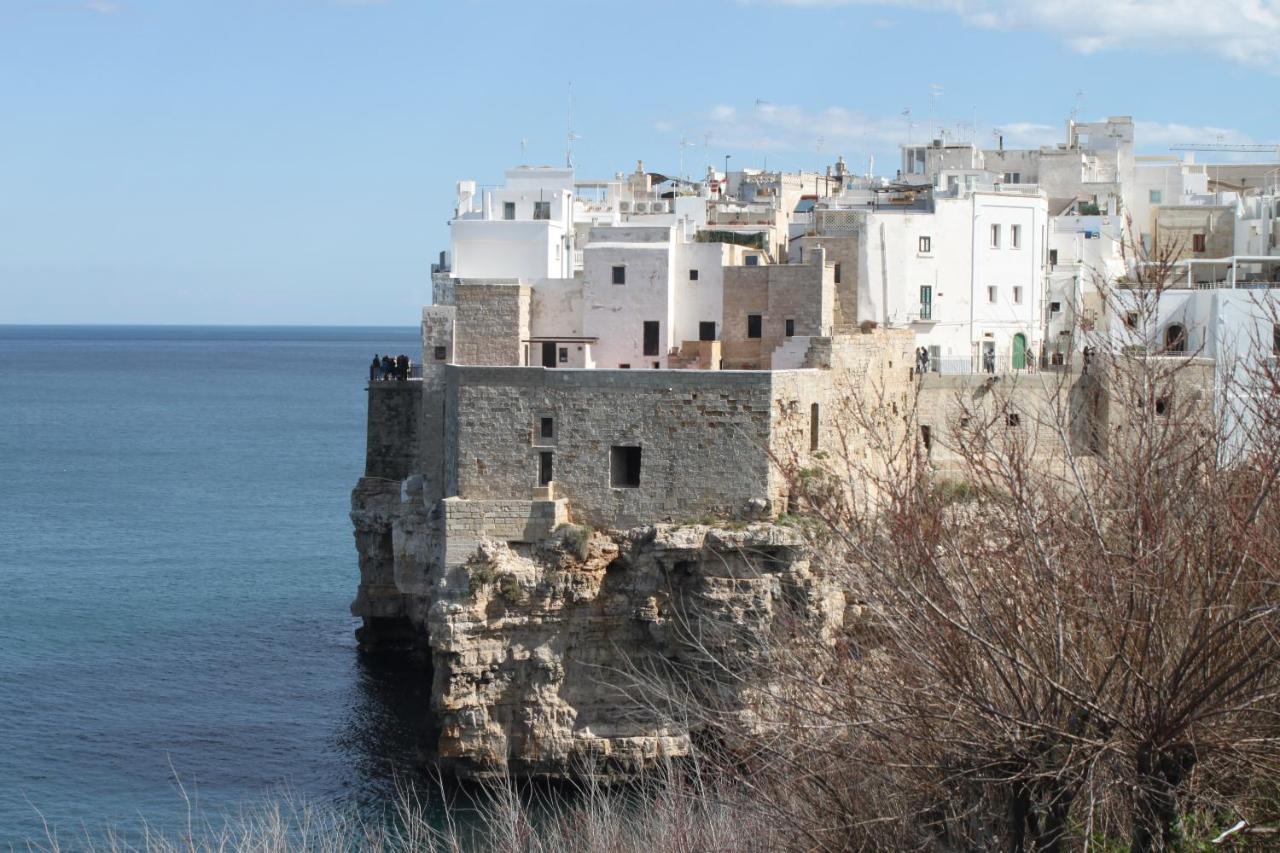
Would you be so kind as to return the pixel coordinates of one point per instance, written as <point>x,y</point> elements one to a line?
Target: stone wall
<point>803,293</point>
<point>701,436</point>
<point>492,323</point>
<point>841,249</point>
<point>391,442</point>
<point>467,523</point>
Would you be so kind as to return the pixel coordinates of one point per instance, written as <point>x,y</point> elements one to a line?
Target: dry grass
<point>672,811</point>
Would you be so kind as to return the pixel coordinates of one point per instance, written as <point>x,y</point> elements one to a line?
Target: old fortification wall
<point>391,441</point>
<point>700,436</point>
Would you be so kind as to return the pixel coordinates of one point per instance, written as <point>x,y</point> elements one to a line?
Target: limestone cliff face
<point>535,645</point>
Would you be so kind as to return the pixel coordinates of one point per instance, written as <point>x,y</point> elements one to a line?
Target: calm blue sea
<point>176,565</point>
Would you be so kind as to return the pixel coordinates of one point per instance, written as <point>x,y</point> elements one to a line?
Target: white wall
<point>615,313</point>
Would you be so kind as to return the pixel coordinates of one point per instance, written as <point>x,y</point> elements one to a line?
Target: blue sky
<point>293,161</point>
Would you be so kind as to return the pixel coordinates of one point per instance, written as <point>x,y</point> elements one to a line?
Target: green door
<point>1019,352</point>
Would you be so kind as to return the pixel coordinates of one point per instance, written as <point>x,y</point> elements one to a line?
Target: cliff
<point>535,645</point>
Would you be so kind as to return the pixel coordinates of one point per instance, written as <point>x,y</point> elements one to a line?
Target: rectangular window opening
<point>753,325</point>
<point>837,273</point>
<point>542,210</point>
<point>926,245</point>
<point>791,327</point>
<point>991,293</point>
<point>441,353</point>
<point>1198,242</point>
<point>1015,236</point>
<point>619,274</point>
<point>508,210</point>
<point>707,330</point>
<point>544,467</point>
<point>753,260</point>
<point>564,355</point>
<point>995,236</point>
<point>1017,295</point>
<point>926,437</point>
<point>813,427</point>
<point>547,427</point>
<point>624,467</point>
<point>650,337</point>
<point>693,275</point>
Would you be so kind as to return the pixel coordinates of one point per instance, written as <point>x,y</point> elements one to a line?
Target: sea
<point>176,570</point>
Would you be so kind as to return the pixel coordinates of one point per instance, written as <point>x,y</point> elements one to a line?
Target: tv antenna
<point>934,91</point>
<point>569,136</point>
<point>684,143</point>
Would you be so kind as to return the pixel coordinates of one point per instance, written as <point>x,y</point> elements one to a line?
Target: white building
<point>521,230</point>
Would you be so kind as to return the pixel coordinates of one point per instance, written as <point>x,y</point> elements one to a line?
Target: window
<point>926,437</point>
<point>1055,307</point>
<point>619,274</point>
<point>837,273</point>
<point>1012,419</point>
<point>1053,257</point>
<point>926,245</point>
<point>564,355</point>
<point>624,367</point>
<point>693,275</point>
<point>995,236</point>
<point>753,325</point>
<point>508,210</point>
<point>1017,295</point>
<point>753,260</point>
<point>657,365</point>
<point>544,467</point>
<point>441,353</point>
<point>791,327</point>
<point>1197,242</point>
<point>546,427</point>
<point>813,427</point>
<point>1131,319</point>
<point>1013,177</point>
<point>624,467</point>
<point>1154,196</point>
<point>650,337</point>
<point>1015,236</point>
<point>542,210</point>
<point>1162,407</point>
<point>707,330</point>
<point>926,302</point>
<point>991,293</point>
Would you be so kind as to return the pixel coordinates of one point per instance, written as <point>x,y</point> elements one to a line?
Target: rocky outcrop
<point>544,654</point>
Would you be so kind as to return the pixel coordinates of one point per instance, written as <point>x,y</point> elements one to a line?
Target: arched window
<point>1175,338</point>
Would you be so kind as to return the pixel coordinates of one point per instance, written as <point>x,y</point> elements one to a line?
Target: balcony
<point>921,313</point>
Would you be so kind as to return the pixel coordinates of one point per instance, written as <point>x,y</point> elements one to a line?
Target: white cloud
<point>805,135</point>
<point>1243,31</point>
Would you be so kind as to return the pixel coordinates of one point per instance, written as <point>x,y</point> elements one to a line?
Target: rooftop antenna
<point>684,143</point>
<point>934,91</point>
<point>907,115</point>
<point>570,136</point>
<point>1075,110</point>
<point>523,144</point>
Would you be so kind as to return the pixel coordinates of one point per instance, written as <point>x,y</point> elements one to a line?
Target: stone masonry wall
<point>804,293</point>
<point>701,435</point>
<point>391,443</point>
<point>492,323</point>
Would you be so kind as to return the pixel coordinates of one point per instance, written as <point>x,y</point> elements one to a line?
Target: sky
<point>295,161</point>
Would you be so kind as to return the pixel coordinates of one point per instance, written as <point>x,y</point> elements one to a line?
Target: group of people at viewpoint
<point>385,367</point>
